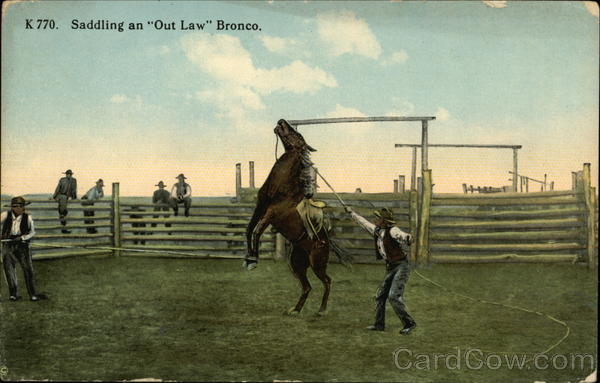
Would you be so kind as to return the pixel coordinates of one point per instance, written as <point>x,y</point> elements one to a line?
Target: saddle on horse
<point>311,213</point>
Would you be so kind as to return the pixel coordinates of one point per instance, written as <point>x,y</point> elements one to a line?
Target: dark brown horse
<point>276,205</point>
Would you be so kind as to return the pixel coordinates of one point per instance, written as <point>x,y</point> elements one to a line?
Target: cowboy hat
<point>19,201</point>
<point>181,176</point>
<point>69,171</point>
<point>100,181</point>
<point>386,214</point>
<point>160,184</point>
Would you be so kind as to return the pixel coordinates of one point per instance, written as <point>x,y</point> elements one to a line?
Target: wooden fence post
<point>395,186</point>
<point>251,167</point>
<point>116,218</point>
<point>591,215</point>
<point>238,181</point>
<point>413,217</point>
<point>401,184</point>
<point>574,181</point>
<point>465,190</point>
<point>423,233</point>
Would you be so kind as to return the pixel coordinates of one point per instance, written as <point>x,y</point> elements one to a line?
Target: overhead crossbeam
<point>334,120</point>
<point>460,146</point>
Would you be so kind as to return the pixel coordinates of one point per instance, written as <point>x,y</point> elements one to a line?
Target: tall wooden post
<point>238,181</point>
<point>401,186</point>
<point>423,232</point>
<point>413,171</point>
<point>424,147</point>
<point>116,218</point>
<point>395,186</point>
<point>251,167</point>
<point>465,190</point>
<point>551,185</point>
<point>413,219</point>
<point>544,187</point>
<point>515,170</point>
<point>574,181</point>
<point>591,215</point>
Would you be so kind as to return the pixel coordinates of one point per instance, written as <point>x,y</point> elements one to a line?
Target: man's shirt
<point>181,190</point>
<point>94,194</point>
<point>16,224</point>
<point>66,186</point>
<point>395,232</point>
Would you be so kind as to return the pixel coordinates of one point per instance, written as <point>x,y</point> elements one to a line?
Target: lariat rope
<point>567,331</point>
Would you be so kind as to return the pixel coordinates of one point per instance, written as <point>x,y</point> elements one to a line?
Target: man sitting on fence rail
<point>181,193</point>
<point>92,195</point>
<point>160,199</point>
<point>391,244</point>
<point>17,230</point>
<point>66,188</point>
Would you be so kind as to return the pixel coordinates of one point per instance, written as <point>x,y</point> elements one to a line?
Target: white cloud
<point>136,101</point>
<point>274,44</point>
<point>442,114</point>
<point>343,111</point>
<point>232,96</point>
<point>495,3</point>
<point>344,33</point>
<point>224,57</point>
<point>241,83</point>
<point>296,77</point>
<point>398,57</point>
<point>119,99</point>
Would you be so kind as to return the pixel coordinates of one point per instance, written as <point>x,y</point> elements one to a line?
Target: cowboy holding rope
<point>390,244</point>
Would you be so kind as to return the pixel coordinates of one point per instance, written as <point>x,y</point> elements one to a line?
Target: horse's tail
<point>344,256</point>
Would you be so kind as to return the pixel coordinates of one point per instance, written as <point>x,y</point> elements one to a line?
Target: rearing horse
<point>276,205</point>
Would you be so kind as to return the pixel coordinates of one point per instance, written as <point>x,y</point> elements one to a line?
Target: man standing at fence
<point>66,188</point>
<point>181,193</point>
<point>88,199</point>
<point>17,230</point>
<point>391,244</point>
<point>160,199</point>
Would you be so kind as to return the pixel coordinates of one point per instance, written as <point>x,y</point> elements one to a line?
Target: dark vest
<point>6,228</point>
<point>392,248</point>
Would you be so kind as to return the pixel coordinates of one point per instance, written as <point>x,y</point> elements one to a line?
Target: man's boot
<point>64,223</point>
<point>409,326</point>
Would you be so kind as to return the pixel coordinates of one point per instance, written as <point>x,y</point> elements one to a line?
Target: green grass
<point>202,320</point>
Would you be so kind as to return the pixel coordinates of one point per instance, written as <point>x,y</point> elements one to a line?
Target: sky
<point>144,105</point>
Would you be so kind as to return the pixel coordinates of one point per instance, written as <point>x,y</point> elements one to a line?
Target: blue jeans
<point>392,289</point>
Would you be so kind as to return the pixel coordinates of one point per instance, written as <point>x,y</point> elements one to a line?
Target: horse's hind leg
<point>299,265</point>
<point>318,260</point>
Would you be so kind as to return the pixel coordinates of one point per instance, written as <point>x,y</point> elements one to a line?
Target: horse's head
<point>292,140</point>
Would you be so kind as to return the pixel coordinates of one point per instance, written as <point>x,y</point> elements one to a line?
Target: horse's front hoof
<point>293,312</point>
<point>250,265</point>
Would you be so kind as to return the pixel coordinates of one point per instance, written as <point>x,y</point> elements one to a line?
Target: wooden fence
<point>555,226</point>
<point>215,228</point>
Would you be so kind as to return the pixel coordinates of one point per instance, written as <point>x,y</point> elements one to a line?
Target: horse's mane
<point>288,174</point>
